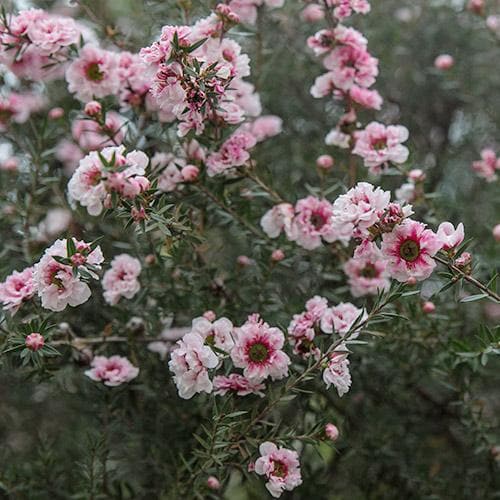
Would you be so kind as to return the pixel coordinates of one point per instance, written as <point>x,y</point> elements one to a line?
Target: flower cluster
<point>101,174</point>
<point>17,107</point>
<point>35,44</point>
<point>198,74</point>
<point>488,166</point>
<point>255,347</point>
<point>59,275</point>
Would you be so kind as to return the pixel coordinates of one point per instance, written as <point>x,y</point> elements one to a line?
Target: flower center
<point>409,250</point>
<point>369,271</point>
<point>210,339</point>
<point>258,353</point>
<point>280,469</point>
<point>94,73</point>
<point>318,220</point>
<point>379,144</point>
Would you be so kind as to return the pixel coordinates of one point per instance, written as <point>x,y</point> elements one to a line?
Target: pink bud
<point>464,260</point>
<point>411,281</point>
<point>213,483</point>
<point>325,162</point>
<point>444,62</point>
<point>278,255</point>
<point>493,23</point>
<point>312,13</point>
<point>190,173</point>
<point>56,113</point>
<point>428,307</point>
<point>251,466</point>
<point>476,6</point>
<point>416,175</point>
<point>244,261</point>
<point>332,432</point>
<point>34,341</point>
<point>78,259</point>
<point>496,232</point>
<point>93,108</point>
<point>209,315</point>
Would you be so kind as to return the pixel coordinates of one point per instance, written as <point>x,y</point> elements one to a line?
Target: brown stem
<point>458,272</point>
<point>269,190</point>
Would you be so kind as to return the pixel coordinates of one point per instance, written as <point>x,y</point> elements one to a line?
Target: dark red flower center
<point>369,271</point>
<point>280,469</point>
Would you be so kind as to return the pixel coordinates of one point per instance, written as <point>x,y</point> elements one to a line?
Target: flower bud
<point>10,164</point>
<point>34,341</point>
<point>312,13</point>
<point>190,173</point>
<point>444,62</point>
<point>416,175</point>
<point>93,108</point>
<point>325,162</point>
<point>56,113</point>
<point>244,261</point>
<point>278,255</point>
<point>331,431</point>
<point>428,307</point>
<point>213,483</point>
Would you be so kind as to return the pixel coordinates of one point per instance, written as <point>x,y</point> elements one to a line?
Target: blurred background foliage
<point>422,418</point>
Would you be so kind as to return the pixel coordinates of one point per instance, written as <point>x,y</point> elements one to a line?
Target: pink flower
<point>337,371</point>
<point>444,62</point>
<point>302,328</point>
<point>217,333</point>
<point>16,289</point>
<point>266,126</point>
<point>341,318</point>
<point>281,468</point>
<point>93,180</point>
<point>450,236</point>
<point>367,270</point>
<point>258,350</point>
<point>369,99</point>
<point>359,209</point>
<point>94,74</point>
<point>237,384</point>
<point>233,153</point>
<point>487,166</point>
<point>379,145</point>
<point>34,341</point>
<point>345,8</point>
<point>331,432</point>
<point>112,371</point>
<point>190,362</point>
<point>17,107</point>
<point>278,218</point>
<point>312,13</point>
<point>409,250</point>
<point>312,223</point>
<point>56,283</point>
<point>121,280</point>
